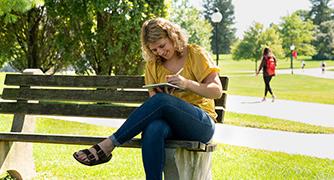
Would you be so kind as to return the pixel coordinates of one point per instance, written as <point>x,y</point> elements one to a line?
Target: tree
<point>271,38</point>
<point>97,35</point>
<point>295,31</point>
<point>321,11</point>
<point>107,33</point>
<point>321,14</point>
<point>189,18</point>
<point>226,35</point>
<point>29,38</point>
<point>255,40</point>
<point>325,41</point>
<point>8,8</point>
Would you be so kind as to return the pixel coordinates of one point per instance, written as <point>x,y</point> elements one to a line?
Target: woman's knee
<point>161,98</point>
<point>156,130</point>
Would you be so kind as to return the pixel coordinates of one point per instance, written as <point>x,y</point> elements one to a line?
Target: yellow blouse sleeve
<point>149,73</point>
<point>202,63</point>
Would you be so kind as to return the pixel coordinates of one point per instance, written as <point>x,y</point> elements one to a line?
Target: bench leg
<point>18,155</point>
<point>170,168</point>
<point>190,165</point>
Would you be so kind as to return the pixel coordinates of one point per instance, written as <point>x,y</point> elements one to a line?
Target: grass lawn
<point>285,86</point>
<point>229,162</point>
<point>54,161</point>
<point>263,122</point>
<point>228,65</point>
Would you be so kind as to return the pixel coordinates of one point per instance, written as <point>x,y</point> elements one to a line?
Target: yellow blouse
<point>198,65</point>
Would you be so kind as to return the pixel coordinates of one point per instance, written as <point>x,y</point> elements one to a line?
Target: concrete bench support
<point>18,156</point>
<point>182,164</point>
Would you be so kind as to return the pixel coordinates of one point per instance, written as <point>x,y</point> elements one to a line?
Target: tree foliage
<point>30,39</point>
<point>9,8</point>
<point>97,35</point>
<point>321,11</point>
<point>226,31</point>
<point>255,40</point>
<point>322,16</point>
<point>189,18</point>
<point>107,33</point>
<point>295,31</point>
<point>249,47</point>
<point>325,41</point>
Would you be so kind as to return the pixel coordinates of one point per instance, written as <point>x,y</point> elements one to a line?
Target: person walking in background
<point>268,66</point>
<point>303,65</point>
<point>323,67</point>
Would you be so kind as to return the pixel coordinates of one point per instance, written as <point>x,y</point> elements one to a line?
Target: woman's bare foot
<point>263,99</point>
<point>274,97</point>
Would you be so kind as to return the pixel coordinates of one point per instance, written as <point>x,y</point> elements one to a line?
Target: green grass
<point>229,162</point>
<point>286,86</point>
<point>254,121</point>
<point>228,65</point>
<point>54,161</point>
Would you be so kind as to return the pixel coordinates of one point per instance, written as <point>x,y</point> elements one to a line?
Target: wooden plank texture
<point>75,95</point>
<point>75,81</point>
<point>90,140</point>
<point>82,81</point>
<point>81,110</point>
<point>83,95</point>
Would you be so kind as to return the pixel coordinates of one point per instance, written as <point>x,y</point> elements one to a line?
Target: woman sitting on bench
<point>187,113</point>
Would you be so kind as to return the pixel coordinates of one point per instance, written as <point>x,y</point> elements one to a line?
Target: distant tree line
<point>311,32</point>
<point>93,36</point>
<point>102,36</point>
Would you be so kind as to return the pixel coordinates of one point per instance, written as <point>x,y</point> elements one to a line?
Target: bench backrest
<point>88,96</point>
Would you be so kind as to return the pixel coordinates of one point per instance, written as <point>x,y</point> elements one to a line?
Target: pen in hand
<point>179,72</point>
<point>176,74</point>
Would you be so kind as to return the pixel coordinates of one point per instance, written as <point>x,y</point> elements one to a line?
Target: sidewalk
<point>316,72</point>
<point>312,113</point>
<point>317,145</point>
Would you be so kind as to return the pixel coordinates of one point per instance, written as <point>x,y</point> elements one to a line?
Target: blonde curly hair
<point>156,29</point>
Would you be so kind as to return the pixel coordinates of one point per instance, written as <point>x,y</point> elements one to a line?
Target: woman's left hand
<point>177,80</point>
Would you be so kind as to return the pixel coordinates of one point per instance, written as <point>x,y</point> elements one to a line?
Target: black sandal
<point>102,157</point>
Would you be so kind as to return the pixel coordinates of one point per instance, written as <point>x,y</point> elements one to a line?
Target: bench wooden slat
<point>224,81</point>
<point>90,140</point>
<point>75,81</point>
<point>221,101</point>
<point>83,95</point>
<point>75,95</point>
<point>82,81</point>
<point>82,110</point>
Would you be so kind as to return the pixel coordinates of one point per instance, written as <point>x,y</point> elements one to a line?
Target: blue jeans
<point>163,117</point>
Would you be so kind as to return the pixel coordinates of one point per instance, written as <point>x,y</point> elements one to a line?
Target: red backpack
<point>271,66</point>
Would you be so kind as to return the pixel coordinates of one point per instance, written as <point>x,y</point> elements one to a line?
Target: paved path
<point>312,113</point>
<point>317,145</point>
<point>316,72</point>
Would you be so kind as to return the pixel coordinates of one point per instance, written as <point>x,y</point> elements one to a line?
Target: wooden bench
<point>98,96</point>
